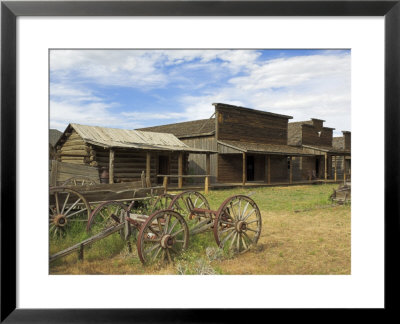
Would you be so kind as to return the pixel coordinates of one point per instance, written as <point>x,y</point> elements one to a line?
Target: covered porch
<point>256,164</point>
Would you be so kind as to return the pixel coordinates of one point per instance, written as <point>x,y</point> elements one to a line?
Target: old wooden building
<point>125,154</point>
<point>252,145</point>
<point>317,140</point>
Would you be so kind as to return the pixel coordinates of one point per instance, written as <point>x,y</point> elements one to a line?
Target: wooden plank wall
<point>279,169</point>
<point>229,168</point>
<point>250,126</point>
<point>310,136</point>
<point>62,171</point>
<point>197,162</point>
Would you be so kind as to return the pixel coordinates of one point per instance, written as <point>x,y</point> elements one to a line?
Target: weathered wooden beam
<point>269,169</point>
<point>208,164</point>
<point>244,169</point>
<point>206,185</point>
<point>326,165</point>
<point>111,167</point>
<point>180,169</point>
<point>165,184</point>
<point>335,167</point>
<point>344,168</point>
<point>290,169</point>
<point>53,173</point>
<point>148,160</point>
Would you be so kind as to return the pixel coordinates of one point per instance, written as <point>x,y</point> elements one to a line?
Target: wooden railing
<point>166,176</point>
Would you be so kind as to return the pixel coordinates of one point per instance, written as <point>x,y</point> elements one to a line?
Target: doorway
<point>317,167</point>
<point>250,168</point>
<point>163,167</point>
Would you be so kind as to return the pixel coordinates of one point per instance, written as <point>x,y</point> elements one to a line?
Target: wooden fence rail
<point>166,176</point>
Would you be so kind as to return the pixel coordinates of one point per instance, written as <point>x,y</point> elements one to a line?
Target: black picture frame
<point>10,10</point>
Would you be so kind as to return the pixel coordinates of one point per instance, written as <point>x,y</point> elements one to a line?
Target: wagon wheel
<point>186,201</point>
<point>106,215</point>
<point>67,209</point>
<point>162,237</point>
<point>237,224</point>
<point>79,181</point>
<point>162,202</point>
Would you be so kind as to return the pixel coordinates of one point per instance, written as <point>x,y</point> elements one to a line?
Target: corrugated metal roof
<point>124,138</point>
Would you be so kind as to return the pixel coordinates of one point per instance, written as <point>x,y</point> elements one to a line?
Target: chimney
<point>317,123</point>
<point>347,140</point>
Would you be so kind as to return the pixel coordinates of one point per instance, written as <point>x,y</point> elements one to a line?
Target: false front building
<point>251,144</point>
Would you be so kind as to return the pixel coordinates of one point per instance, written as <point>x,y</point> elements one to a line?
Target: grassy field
<point>302,233</point>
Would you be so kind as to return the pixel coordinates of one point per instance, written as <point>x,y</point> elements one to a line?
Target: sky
<point>138,88</point>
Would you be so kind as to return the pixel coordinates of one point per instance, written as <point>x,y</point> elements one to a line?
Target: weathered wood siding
<point>230,168</point>
<point>310,136</point>
<point>61,171</point>
<point>347,140</point>
<point>340,167</point>
<point>250,126</point>
<point>197,162</point>
<point>279,169</point>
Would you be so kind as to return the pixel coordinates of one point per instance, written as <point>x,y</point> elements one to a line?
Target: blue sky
<point>138,88</point>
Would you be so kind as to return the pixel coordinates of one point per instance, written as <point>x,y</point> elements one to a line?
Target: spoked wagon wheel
<point>186,201</point>
<point>162,202</point>
<point>162,237</point>
<point>237,224</point>
<point>79,181</point>
<point>67,209</point>
<point>106,215</point>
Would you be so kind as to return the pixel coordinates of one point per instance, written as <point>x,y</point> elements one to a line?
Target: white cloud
<point>313,86</point>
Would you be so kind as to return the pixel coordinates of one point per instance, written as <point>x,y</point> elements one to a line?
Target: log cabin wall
<point>310,136</point>
<point>129,164</point>
<point>197,162</point>
<point>250,126</point>
<point>74,150</point>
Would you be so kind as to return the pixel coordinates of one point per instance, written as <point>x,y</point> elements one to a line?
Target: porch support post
<point>344,167</point>
<point>269,169</point>
<point>244,170</point>
<point>290,169</point>
<point>148,159</point>
<point>180,170</point>
<point>326,166</point>
<point>208,171</point>
<point>111,167</point>
<point>335,167</point>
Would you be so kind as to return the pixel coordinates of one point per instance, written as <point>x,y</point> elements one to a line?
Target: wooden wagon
<point>163,232</point>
